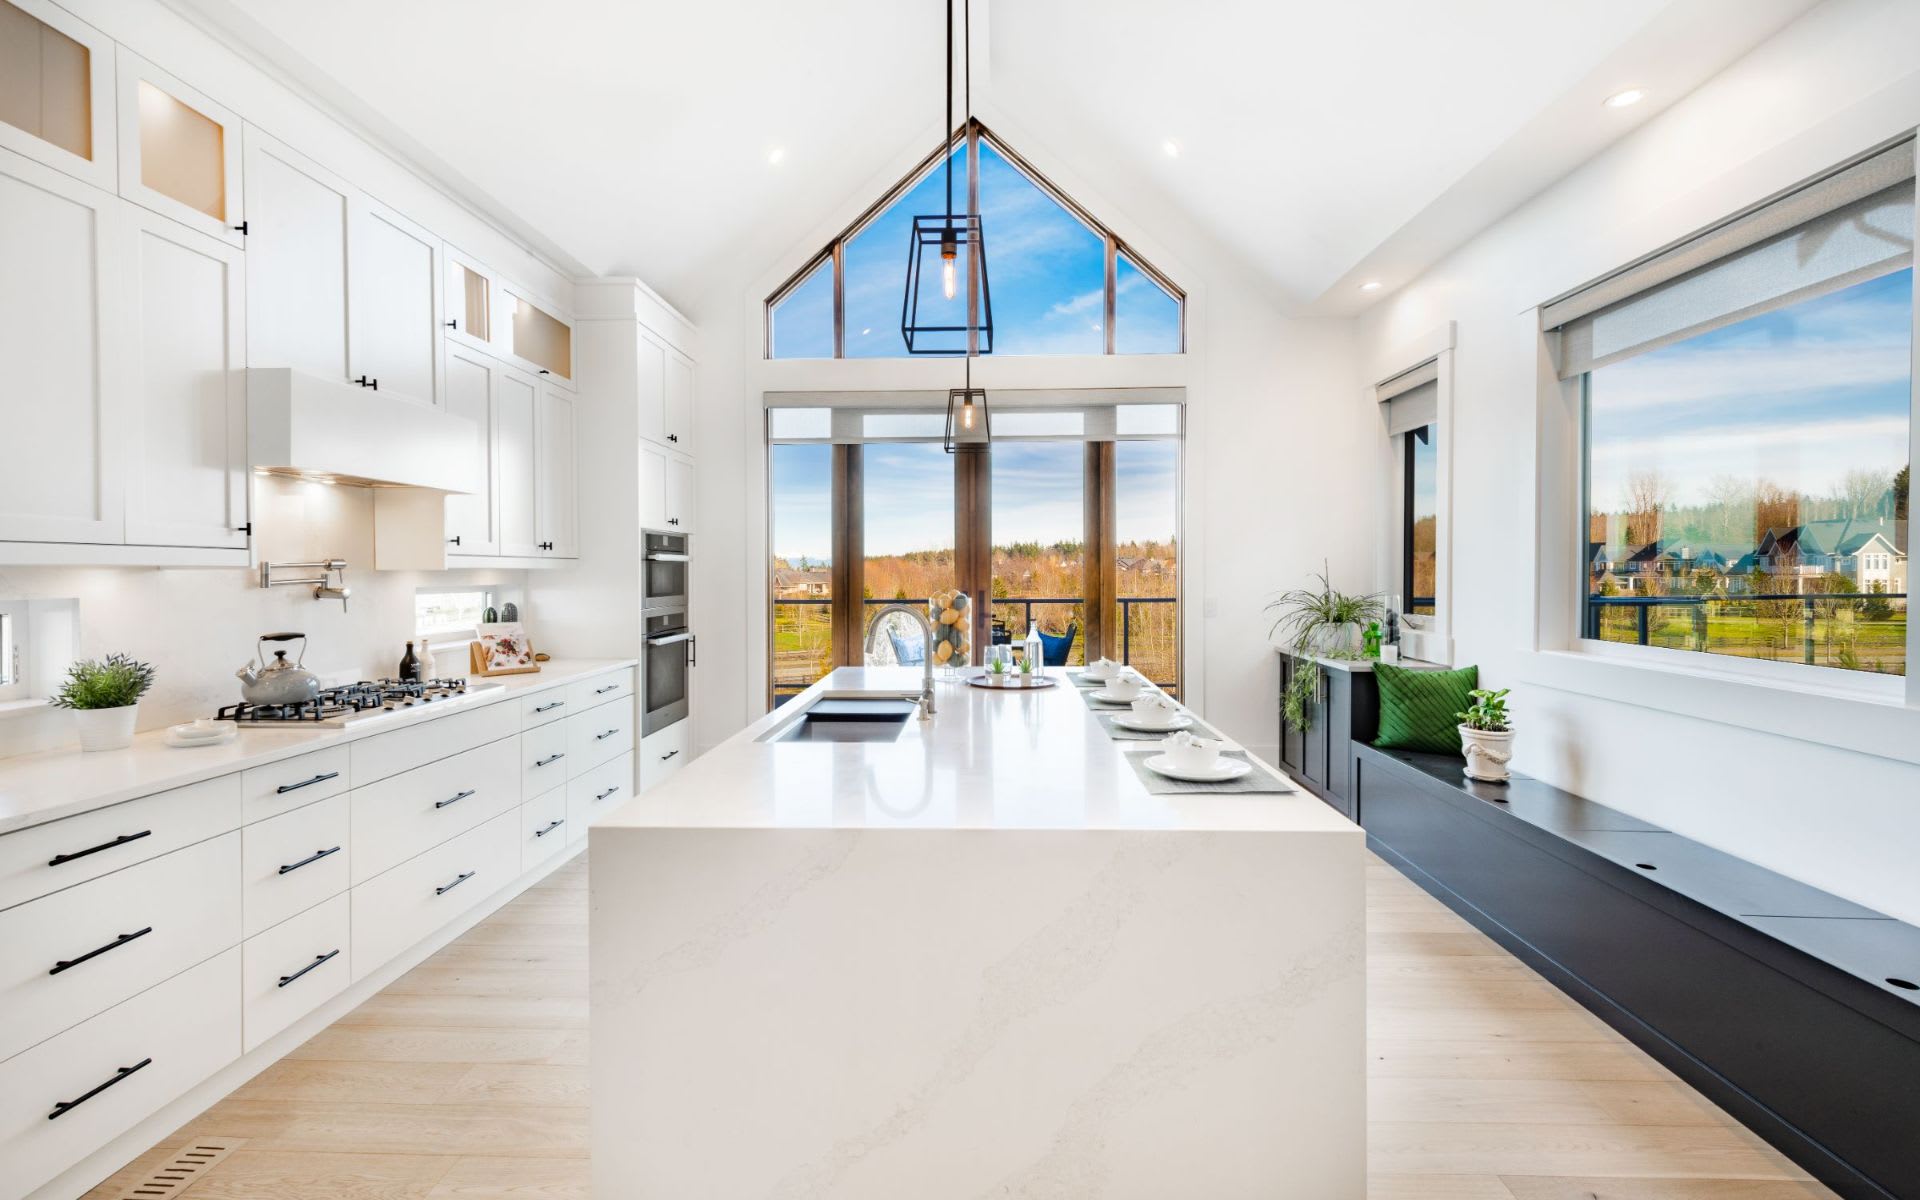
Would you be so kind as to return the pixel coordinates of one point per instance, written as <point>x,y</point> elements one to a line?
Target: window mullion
<point>1112,290</point>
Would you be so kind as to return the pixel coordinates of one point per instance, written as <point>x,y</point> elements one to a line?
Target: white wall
<point>1272,421</point>
<point>1835,83</point>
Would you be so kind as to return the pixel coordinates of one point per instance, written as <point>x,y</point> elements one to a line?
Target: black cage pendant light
<point>968,421</point>
<point>944,245</point>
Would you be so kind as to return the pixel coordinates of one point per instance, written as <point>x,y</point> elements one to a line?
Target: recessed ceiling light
<point>1371,285</point>
<point>1623,99</point>
<point>775,155</point>
<point>1171,147</point>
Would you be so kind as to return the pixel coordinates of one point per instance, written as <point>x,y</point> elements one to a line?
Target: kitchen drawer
<point>597,793</point>
<point>397,909</point>
<point>386,754</point>
<point>543,828</point>
<point>597,735</point>
<point>78,952</point>
<point>293,862</point>
<point>397,818</point>
<point>60,854</point>
<point>294,968</point>
<point>115,1070</point>
<point>543,758</point>
<point>662,753</point>
<point>286,785</point>
<point>543,707</point>
<point>599,689</point>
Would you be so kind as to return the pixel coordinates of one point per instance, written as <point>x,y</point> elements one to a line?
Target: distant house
<point>790,584</point>
<point>1867,552</point>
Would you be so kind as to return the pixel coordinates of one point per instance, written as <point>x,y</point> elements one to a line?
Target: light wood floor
<point>467,1078</point>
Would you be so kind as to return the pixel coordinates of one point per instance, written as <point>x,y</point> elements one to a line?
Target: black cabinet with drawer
<point>1345,709</point>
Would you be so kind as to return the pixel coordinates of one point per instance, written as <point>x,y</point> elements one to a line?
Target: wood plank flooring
<point>467,1080</point>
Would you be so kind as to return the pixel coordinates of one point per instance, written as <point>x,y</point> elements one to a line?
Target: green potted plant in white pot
<point>1486,736</point>
<point>104,694</point>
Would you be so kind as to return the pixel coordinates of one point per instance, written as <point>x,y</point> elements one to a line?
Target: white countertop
<point>1362,665</point>
<point>60,783</point>
<point>987,760</point>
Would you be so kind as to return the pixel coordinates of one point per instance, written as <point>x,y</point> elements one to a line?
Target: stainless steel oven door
<point>663,573</point>
<point>669,660</point>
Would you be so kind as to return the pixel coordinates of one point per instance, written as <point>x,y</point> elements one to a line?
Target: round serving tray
<point>1013,682</point>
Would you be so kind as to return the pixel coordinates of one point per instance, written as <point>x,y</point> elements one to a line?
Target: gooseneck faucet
<point>926,657</point>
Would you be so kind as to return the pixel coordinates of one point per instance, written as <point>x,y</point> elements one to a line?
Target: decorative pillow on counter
<point>1417,707</point>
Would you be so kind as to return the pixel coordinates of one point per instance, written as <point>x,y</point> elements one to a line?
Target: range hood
<point>303,425</point>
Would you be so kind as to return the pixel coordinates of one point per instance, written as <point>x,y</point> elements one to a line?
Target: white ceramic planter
<point>1487,752</point>
<point>106,728</point>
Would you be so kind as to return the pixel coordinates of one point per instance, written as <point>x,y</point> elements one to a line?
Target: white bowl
<point>1197,755</point>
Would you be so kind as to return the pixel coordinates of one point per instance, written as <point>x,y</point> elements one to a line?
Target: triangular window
<point>1061,282</point>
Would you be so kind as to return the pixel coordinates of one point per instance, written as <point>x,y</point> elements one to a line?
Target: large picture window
<point>1746,438</point>
<point>1061,282</point>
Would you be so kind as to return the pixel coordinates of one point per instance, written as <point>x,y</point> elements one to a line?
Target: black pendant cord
<point>947,125</point>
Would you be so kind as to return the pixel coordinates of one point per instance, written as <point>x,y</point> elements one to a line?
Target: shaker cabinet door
<point>296,261</point>
<point>655,486</point>
<point>179,151</point>
<point>558,510</point>
<point>517,409</point>
<point>395,301</point>
<point>472,520</point>
<point>61,304</point>
<point>679,404</point>
<point>680,493</point>
<point>187,410</point>
<point>56,105</point>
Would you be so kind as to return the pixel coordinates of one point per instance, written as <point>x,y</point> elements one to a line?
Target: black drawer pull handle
<point>601,737</point>
<point>610,791</point>
<point>453,799</point>
<point>551,707</point>
<point>115,944</point>
<point>552,825</point>
<point>66,1106</point>
<point>445,888</point>
<point>315,857</point>
<point>318,959</point>
<point>549,759</point>
<point>669,754</point>
<point>284,788</point>
<point>122,840</point>
<point>603,691</point>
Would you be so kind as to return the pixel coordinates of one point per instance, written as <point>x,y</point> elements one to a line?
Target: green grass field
<point>1842,636</point>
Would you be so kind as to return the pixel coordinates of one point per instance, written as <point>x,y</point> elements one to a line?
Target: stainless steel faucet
<point>926,658</point>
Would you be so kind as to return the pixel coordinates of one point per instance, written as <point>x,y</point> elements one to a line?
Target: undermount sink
<point>849,719</point>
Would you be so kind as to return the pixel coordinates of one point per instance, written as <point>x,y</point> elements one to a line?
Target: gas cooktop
<point>352,703</point>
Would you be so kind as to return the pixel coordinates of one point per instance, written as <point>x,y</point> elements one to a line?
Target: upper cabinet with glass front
<point>539,339</point>
<point>179,151</point>
<point>56,90</point>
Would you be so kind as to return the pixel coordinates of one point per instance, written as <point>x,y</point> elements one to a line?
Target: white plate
<point>187,741</point>
<point>1223,770</point>
<point>1142,725</point>
<point>1110,698</point>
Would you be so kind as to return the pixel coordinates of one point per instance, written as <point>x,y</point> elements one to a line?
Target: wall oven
<point>663,576</point>
<point>669,659</point>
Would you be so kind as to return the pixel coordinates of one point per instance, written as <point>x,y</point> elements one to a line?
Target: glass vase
<point>952,616</point>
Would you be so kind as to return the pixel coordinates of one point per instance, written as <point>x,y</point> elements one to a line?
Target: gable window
<point>1061,282</point>
<point>1746,410</point>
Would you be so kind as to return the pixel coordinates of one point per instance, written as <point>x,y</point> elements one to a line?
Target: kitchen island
<point>978,959</point>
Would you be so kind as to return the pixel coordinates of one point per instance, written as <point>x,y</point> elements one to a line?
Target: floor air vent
<point>192,1161</point>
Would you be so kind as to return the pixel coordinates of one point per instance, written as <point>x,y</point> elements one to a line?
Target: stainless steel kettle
<point>279,681</point>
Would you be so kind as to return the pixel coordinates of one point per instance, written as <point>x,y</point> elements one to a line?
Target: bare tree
<point>1649,494</point>
<point>1864,493</point>
<point>1729,514</point>
<point>1774,507</point>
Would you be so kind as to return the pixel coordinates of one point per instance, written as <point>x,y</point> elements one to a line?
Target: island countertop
<point>986,760</point>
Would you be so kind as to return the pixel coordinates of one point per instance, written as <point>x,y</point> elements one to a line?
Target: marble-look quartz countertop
<point>986,760</point>
<point>1362,666</point>
<point>35,788</point>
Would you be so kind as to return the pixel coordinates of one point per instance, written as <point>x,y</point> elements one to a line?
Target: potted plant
<point>104,695</point>
<point>1318,622</point>
<point>1486,735</point>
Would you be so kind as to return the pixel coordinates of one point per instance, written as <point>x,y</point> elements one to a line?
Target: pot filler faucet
<point>926,657</point>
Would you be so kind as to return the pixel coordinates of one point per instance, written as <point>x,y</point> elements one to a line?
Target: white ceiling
<point>1321,143</point>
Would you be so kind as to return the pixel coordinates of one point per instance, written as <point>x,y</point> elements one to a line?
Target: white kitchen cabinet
<point>472,297</point>
<point>679,403</point>
<point>395,301</point>
<point>655,506</point>
<point>61,306</point>
<point>558,505</point>
<point>473,520</point>
<point>187,417</point>
<point>534,335</point>
<point>299,216</point>
<point>516,442</point>
<point>680,493</point>
<point>179,152</point>
<point>57,103</point>
<point>650,388</point>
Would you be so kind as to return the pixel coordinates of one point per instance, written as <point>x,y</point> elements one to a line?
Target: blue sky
<point>1798,396</point>
<point>1045,270</point>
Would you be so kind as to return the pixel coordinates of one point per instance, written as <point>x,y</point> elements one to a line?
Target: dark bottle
<point>409,666</point>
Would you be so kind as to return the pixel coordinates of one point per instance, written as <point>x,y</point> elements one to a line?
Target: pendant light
<point>968,421</point>
<point>939,241</point>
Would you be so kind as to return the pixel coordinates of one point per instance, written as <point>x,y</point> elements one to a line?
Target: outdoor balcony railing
<point>1764,622</point>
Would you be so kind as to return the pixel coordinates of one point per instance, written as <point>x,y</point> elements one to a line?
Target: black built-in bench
<point>1794,1010</point>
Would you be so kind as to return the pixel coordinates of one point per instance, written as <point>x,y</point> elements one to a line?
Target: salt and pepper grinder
<point>409,671</point>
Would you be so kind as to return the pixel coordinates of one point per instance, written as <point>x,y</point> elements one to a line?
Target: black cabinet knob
<point>454,540</point>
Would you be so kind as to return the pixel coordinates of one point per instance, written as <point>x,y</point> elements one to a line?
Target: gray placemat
<point>1114,731</point>
<point>1258,780</point>
<point>1081,679</point>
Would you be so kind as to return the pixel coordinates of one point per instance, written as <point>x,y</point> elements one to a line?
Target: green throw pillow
<point>1417,707</point>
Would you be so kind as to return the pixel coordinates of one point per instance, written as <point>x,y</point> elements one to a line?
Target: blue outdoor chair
<point>1054,650</point>
<point>906,653</point>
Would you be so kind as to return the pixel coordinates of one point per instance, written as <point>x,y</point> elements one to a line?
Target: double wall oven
<point>670,646</point>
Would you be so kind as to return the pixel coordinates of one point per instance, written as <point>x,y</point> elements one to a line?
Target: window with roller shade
<point>1746,399</point>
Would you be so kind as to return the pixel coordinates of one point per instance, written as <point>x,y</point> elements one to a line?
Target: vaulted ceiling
<point>1323,144</point>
